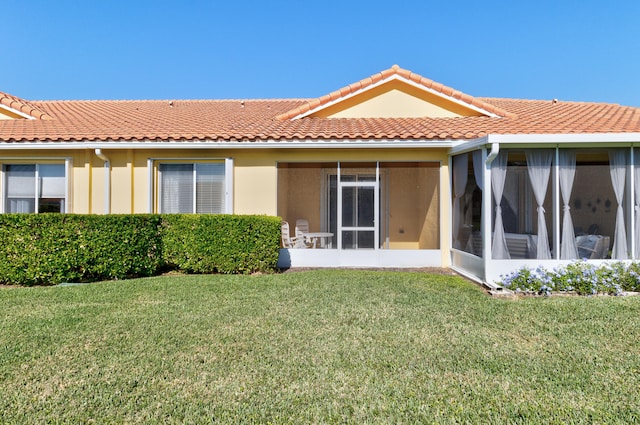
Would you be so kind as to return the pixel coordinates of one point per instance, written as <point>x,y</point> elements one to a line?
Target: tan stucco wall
<point>396,100</point>
<point>414,209</point>
<point>255,181</point>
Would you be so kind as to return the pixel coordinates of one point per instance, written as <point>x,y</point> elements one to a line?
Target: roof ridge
<point>388,73</point>
<point>172,100</point>
<point>578,102</point>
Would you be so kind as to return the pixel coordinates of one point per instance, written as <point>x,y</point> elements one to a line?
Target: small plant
<point>581,277</point>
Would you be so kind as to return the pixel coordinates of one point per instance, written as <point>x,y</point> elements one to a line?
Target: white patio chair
<point>593,246</point>
<point>302,228</point>
<point>289,241</point>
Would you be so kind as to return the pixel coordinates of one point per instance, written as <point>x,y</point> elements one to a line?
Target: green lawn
<point>314,347</point>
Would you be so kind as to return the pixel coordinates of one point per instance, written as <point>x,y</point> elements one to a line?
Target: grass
<point>314,347</point>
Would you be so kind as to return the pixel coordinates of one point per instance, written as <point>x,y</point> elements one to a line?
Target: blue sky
<point>194,49</point>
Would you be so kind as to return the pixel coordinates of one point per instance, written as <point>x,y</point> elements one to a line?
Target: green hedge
<point>40,249</point>
<point>221,243</point>
<point>45,249</point>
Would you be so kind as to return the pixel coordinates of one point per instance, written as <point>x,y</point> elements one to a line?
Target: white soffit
<point>17,112</point>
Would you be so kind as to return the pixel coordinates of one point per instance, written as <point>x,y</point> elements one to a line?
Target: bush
<point>221,243</point>
<point>581,277</point>
<point>45,249</point>
<point>41,249</point>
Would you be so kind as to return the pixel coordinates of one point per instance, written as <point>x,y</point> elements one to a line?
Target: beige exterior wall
<point>255,182</point>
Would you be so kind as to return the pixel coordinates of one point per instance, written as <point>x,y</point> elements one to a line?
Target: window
<point>31,188</point>
<point>192,188</point>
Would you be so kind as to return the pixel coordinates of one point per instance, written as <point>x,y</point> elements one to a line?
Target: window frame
<point>155,185</point>
<point>66,163</point>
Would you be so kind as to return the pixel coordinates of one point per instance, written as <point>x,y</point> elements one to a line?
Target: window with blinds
<point>192,188</point>
<point>31,188</point>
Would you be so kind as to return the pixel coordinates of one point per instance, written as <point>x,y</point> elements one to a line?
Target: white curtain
<point>478,169</point>
<point>460,171</point>
<point>568,247</point>
<point>539,169</point>
<point>478,174</point>
<point>637,200</point>
<point>499,248</point>
<point>617,160</point>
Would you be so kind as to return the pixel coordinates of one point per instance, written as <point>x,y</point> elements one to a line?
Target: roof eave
<point>214,144</point>
<point>559,139</point>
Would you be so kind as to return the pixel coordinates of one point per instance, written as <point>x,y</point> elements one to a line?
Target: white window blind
<point>35,187</point>
<point>182,184</point>
<point>52,180</point>
<point>21,181</point>
<point>176,187</point>
<point>210,188</point>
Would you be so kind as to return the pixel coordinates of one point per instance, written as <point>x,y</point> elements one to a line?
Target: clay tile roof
<point>23,106</point>
<point>395,70</point>
<point>258,120</point>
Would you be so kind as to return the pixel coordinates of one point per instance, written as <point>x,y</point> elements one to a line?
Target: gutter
<point>107,180</point>
<point>214,144</point>
<point>495,150</point>
<point>486,208</point>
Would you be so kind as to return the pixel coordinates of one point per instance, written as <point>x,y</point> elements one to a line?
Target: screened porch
<point>543,206</point>
<point>360,213</point>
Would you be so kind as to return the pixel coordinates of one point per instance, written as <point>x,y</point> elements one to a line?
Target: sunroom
<point>360,214</point>
<point>544,200</point>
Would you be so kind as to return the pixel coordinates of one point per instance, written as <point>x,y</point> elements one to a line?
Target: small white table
<point>325,238</point>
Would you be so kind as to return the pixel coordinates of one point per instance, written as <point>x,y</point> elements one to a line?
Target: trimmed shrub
<point>43,249</point>
<point>221,243</point>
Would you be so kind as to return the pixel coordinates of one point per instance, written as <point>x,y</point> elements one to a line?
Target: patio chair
<point>289,241</point>
<point>521,246</point>
<point>593,246</point>
<point>302,228</point>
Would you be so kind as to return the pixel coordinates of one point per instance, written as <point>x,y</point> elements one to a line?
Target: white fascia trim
<point>17,112</point>
<point>609,139</point>
<point>572,138</point>
<point>35,158</point>
<point>468,146</point>
<point>213,144</point>
<point>404,80</point>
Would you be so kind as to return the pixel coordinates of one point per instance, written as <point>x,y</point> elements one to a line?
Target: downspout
<point>495,150</point>
<point>486,209</point>
<point>107,180</point>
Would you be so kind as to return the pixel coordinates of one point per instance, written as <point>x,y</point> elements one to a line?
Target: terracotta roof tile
<point>256,120</point>
<point>387,73</point>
